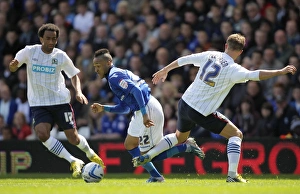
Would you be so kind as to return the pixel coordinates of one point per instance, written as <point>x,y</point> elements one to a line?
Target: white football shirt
<point>46,83</point>
<point>216,76</point>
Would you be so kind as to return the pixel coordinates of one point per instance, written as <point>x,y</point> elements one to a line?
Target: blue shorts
<point>189,118</point>
<point>62,115</point>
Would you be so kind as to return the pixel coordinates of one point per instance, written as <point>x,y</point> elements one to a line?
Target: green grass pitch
<point>131,184</point>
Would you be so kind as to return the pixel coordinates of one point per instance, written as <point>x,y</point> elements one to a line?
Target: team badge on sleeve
<point>123,84</point>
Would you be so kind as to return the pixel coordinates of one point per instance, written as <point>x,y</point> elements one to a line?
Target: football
<point>92,173</point>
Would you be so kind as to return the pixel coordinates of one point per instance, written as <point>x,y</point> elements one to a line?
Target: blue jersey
<point>130,89</point>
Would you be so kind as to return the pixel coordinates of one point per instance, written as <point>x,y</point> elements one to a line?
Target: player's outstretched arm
<point>13,65</point>
<point>163,73</point>
<point>266,74</point>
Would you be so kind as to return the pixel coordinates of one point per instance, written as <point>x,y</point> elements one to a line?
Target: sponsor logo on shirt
<point>43,69</point>
<point>123,84</point>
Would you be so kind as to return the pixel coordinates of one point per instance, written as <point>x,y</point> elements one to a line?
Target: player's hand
<point>289,69</point>
<point>13,65</point>
<point>161,74</point>
<point>96,107</point>
<point>147,122</point>
<point>81,98</point>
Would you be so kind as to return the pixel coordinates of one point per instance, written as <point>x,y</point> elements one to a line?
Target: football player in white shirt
<point>48,97</point>
<point>217,74</point>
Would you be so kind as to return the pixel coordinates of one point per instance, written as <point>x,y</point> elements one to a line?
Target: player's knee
<point>240,134</point>
<point>42,135</point>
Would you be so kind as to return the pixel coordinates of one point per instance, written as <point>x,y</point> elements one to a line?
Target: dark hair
<point>49,27</point>
<point>103,53</point>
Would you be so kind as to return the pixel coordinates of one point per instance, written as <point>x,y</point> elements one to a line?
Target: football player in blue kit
<point>146,127</point>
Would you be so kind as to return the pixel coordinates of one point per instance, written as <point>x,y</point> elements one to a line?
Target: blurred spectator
<point>171,126</point>
<point>137,66</point>
<point>264,126</point>
<point>254,92</point>
<point>8,105</point>
<point>20,127</point>
<point>28,33</point>
<point>295,103</point>
<point>99,37</point>
<point>213,23</point>
<point>253,14</point>
<point>246,118</point>
<point>190,17</point>
<point>30,9</point>
<point>75,40</point>
<point>282,12</point>
<point>38,21</point>
<point>284,115</point>
<point>149,57</point>
<point>260,42</point>
<point>113,127</point>
<point>269,62</point>
<point>63,40</point>
<point>123,10</point>
<point>45,10</point>
<point>203,40</point>
<point>85,61</point>
<point>159,7</point>
<point>282,49</point>
<point>292,32</point>
<point>84,19</point>
<point>247,30</point>
<point>7,133</point>
<point>226,30</point>
<point>119,58</point>
<point>168,91</point>
<point>60,21</point>
<point>12,44</point>
<point>165,36</point>
<point>136,48</point>
<point>142,35</point>
<point>11,15</point>
<point>237,19</point>
<point>65,9</point>
<point>256,59</point>
<point>162,59</point>
<point>103,10</point>
<point>11,79</point>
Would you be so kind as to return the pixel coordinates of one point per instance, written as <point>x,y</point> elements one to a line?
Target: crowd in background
<point>146,35</point>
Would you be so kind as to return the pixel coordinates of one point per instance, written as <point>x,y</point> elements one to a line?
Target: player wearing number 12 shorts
<point>146,126</point>
<point>217,74</point>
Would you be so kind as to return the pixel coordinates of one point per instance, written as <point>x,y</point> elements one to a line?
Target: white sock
<point>233,153</point>
<point>57,148</point>
<point>165,143</point>
<point>84,146</point>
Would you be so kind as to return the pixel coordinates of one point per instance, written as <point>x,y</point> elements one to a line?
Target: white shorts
<point>148,137</point>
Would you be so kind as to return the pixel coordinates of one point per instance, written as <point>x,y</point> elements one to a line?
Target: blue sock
<point>170,152</point>
<point>148,166</point>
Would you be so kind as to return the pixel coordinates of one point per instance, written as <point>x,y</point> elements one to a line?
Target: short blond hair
<point>236,42</point>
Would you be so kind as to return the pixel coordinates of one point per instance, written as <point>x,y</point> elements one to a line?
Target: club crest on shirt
<point>54,61</point>
<point>123,84</point>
